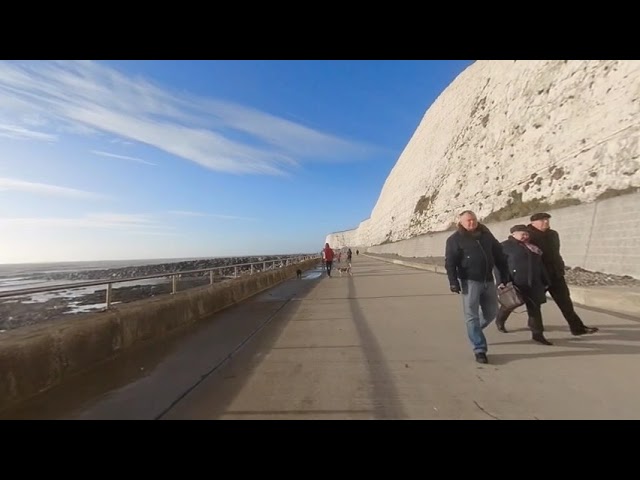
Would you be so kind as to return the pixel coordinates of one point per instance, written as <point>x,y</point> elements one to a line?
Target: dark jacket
<point>526,270</point>
<point>473,256</point>
<point>549,243</point>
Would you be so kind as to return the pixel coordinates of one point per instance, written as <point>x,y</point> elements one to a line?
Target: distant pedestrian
<point>328,258</point>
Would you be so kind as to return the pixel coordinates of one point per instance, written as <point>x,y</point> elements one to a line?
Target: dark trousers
<point>535,317</point>
<point>329,264</point>
<point>559,291</point>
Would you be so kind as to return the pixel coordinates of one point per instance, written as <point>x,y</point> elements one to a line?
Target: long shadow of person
<point>622,339</point>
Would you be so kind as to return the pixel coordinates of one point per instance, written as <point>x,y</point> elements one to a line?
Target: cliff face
<point>510,137</point>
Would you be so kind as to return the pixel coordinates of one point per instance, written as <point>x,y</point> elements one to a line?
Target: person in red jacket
<point>328,258</point>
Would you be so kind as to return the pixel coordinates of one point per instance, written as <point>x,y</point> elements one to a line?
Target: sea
<point>21,276</point>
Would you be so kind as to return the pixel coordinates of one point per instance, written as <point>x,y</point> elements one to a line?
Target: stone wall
<point>39,357</point>
<point>600,236</point>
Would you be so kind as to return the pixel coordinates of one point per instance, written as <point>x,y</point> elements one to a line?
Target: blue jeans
<point>478,296</point>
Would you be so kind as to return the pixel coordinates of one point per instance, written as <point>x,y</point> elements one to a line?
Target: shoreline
<point>32,309</point>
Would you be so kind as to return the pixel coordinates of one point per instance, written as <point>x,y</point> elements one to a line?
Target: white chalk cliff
<point>504,133</point>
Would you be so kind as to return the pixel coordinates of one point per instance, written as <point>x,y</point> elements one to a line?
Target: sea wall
<point>34,359</point>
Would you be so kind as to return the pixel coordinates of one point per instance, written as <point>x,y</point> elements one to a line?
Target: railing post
<point>108,299</point>
<point>235,272</point>
<point>220,271</point>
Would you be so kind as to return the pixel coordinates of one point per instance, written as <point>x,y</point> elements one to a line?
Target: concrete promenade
<point>387,343</point>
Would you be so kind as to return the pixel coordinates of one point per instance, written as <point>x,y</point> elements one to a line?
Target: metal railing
<point>237,271</point>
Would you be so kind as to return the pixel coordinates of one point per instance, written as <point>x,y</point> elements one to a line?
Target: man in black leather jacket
<point>471,254</point>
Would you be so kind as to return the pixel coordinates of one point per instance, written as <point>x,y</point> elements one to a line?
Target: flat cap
<point>539,216</point>
<point>519,228</point>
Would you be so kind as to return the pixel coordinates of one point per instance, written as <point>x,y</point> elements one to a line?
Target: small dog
<point>346,269</point>
<point>298,273</point>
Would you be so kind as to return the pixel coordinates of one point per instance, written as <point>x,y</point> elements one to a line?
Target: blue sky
<point>110,160</point>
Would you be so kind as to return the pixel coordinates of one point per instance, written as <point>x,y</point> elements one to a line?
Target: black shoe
<point>538,337</point>
<point>584,331</point>
<point>501,327</point>
<point>481,357</point>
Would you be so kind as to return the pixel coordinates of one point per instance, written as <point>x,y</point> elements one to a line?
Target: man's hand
<point>455,288</point>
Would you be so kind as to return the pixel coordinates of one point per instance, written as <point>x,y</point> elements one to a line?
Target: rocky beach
<point>32,309</point>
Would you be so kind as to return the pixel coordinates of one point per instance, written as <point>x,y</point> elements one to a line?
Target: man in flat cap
<point>548,240</point>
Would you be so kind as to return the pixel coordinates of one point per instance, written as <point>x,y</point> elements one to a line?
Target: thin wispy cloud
<point>215,134</point>
<point>34,120</point>
<point>16,185</point>
<point>132,222</point>
<point>122,157</point>
<point>22,133</point>
<point>157,234</point>
<point>120,141</point>
<point>187,213</point>
<point>122,218</point>
<point>77,129</point>
<point>283,134</point>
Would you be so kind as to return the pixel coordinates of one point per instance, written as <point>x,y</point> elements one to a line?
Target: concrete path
<point>387,343</point>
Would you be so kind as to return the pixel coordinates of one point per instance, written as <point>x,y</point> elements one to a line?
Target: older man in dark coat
<point>548,240</point>
<point>528,274</point>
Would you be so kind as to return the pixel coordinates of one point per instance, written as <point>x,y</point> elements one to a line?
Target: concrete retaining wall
<point>624,300</point>
<point>600,236</point>
<point>36,358</point>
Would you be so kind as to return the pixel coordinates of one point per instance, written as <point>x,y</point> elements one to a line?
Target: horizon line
<point>155,259</point>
